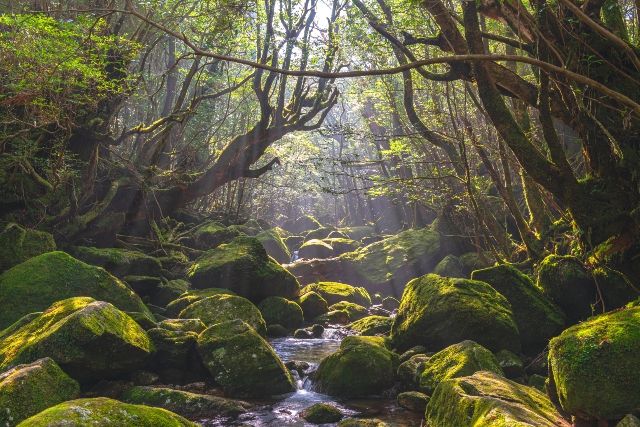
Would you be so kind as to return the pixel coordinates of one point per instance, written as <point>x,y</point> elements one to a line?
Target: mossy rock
<point>358,232</point>
<point>302,224</point>
<point>450,266</point>
<point>390,303</point>
<point>372,325</point>
<point>334,292</point>
<point>341,245</point>
<point>168,291</point>
<point>313,305</point>
<point>119,262</point>
<point>472,261</point>
<point>281,311</point>
<point>414,401</point>
<point>212,234</point>
<point>593,366</point>
<point>274,245</point>
<point>355,311</point>
<point>293,243</point>
<point>363,366</point>
<point>189,405</point>
<point>242,362</point>
<point>321,413</point>
<point>486,399</point>
<point>409,371</point>
<point>319,233</point>
<point>537,318</point>
<point>362,422</point>
<point>183,325</point>
<point>437,311</point>
<point>176,358</point>
<point>457,360</point>
<point>511,364</point>
<point>18,244</point>
<point>629,421</point>
<point>28,389</point>
<point>89,339</point>
<point>221,308</point>
<point>143,285</point>
<point>38,282</point>
<point>244,267</point>
<point>187,298</point>
<point>105,412</point>
<point>333,317</point>
<point>315,248</point>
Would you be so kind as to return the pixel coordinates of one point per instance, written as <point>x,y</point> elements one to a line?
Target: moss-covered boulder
<point>450,266</point>
<point>438,311</point>
<point>293,243</point>
<point>190,405</point>
<point>28,389</point>
<point>89,339</point>
<point>42,280</point>
<point>18,244</point>
<point>537,318</point>
<point>409,371</point>
<point>221,308</point>
<point>212,234</point>
<point>274,245</point>
<point>176,358</point>
<point>119,262</point>
<point>313,305</point>
<point>321,413</point>
<point>414,401</point>
<point>342,245</point>
<point>594,365</point>
<point>511,364</point>
<point>355,311</point>
<point>362,422</point>
<point>363,366</point>
<point>105,412</point>
<point>320,233</point>
<point>281,311</point>
<point>372,325</point>
<point>457,360</point>
<point>242,362</point>
<point>486,399</point>
<point>302,224</point>
<point>187,298</point>
<point>333,317</point>
<point>244,267</point>
<point>315,248</point>
<point>183,325</point>
<point>168,291</point>
<point>334,292</point>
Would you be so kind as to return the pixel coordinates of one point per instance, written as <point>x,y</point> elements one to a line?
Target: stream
<point>284,412</point>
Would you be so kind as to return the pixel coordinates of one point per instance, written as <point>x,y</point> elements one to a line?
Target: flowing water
<point>285,411</point>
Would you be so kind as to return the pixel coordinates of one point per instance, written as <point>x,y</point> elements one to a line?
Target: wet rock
<point>278,310</point>
<point>362,422</point>
<point>335,292</point>
<point>355,311</point>
<point>221,308</point>
<point>317,330</point>
<point>302,334</point>
<point>339,317</point>
<point>18,244</point>
<point>277,331</point>
<point>313,305</point>
<point>300,367</point>
<point>413,401</point>
<point>321,413</point>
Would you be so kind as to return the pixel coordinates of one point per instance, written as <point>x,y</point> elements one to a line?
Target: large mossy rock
<point>186,299</point>
<point>438,311</point>
<point>212,234</point>
<point>274,245</point>
<point>321,413</point>
<point>334,292</point>
<point>190,405</point>
<point>363,366</point>
<point>355,311</point>
<point>313,305</point>
<point>244,267</point>
<point>302,224</point>
<point>457,360</point>
<point>594,365</point>
<point>105,412</point>
<point>281,311</point>
<point>342,245</point>
<point>242,362</point>
<point>28,389</point>
<point>119,262</point>
<point>89,339</point>
<point>315,248</point>
<point>371,325</point>
<point>176,358</point>
<point>222,308</point>
<point>537,318</point>
<point>18,244</point>
<point>450,266</point>
<point>40,281</point>
<point>486,399</point>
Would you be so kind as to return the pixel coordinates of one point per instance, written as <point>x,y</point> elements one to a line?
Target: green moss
<point>168,291</point>
<point>409,371</point>
<point>176,357</point>
<point>359,232</point>
<point>190,405</point>
<point>510,363</point>
<point>450,266</point>
<point>333,317</point>
<point>281,311</point>
<point>355,311</point>
<point>457,360</point>
<point>213,234</point>
<point>244,267</point>
<point>486,399</point>
<point>537,318</point>
<point>341,245</point>
<point>183,325</point>
<point>362,367</point>
<point>372,325</point>
<point>438,311</point>
<point>119,262</point>
<point>107,413</point>
<point>321,413</point>
<point>37,283</point>
<point>313,305</point>
<point>221,308</point>
<point>187,298</point>
<point>242,362</point>
<point>315,248</point>
<point>334,292</point>
<point>362,422</point>
<point>26,390</point>
<point>18,244</point>
<point>89,339</point>
<point>274,245</point>
<point>319,233</point>
<point>594,365</point>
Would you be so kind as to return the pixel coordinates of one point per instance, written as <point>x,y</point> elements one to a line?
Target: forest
<point>352,213</point>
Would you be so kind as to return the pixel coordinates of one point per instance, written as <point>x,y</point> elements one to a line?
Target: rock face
<point>39,282</point>
<point>274,245</point>
<point>457,360</point>
<point>26,390</point>
<point>281,311</point>
<point>242,362</point>
<point>221,308</point>
<point>363,366</point>
<point>537,318</point>
<point>89,339</point>
<point>334,292</point>
<point>437,311</point>
<point>372,325</point>
<point>594,365</point>
<point>106,413</point>
<point>119,262</point>
<point>244,267</point>
<point>486,399</point>
<point>313,305</point>
<point>18,244</point>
